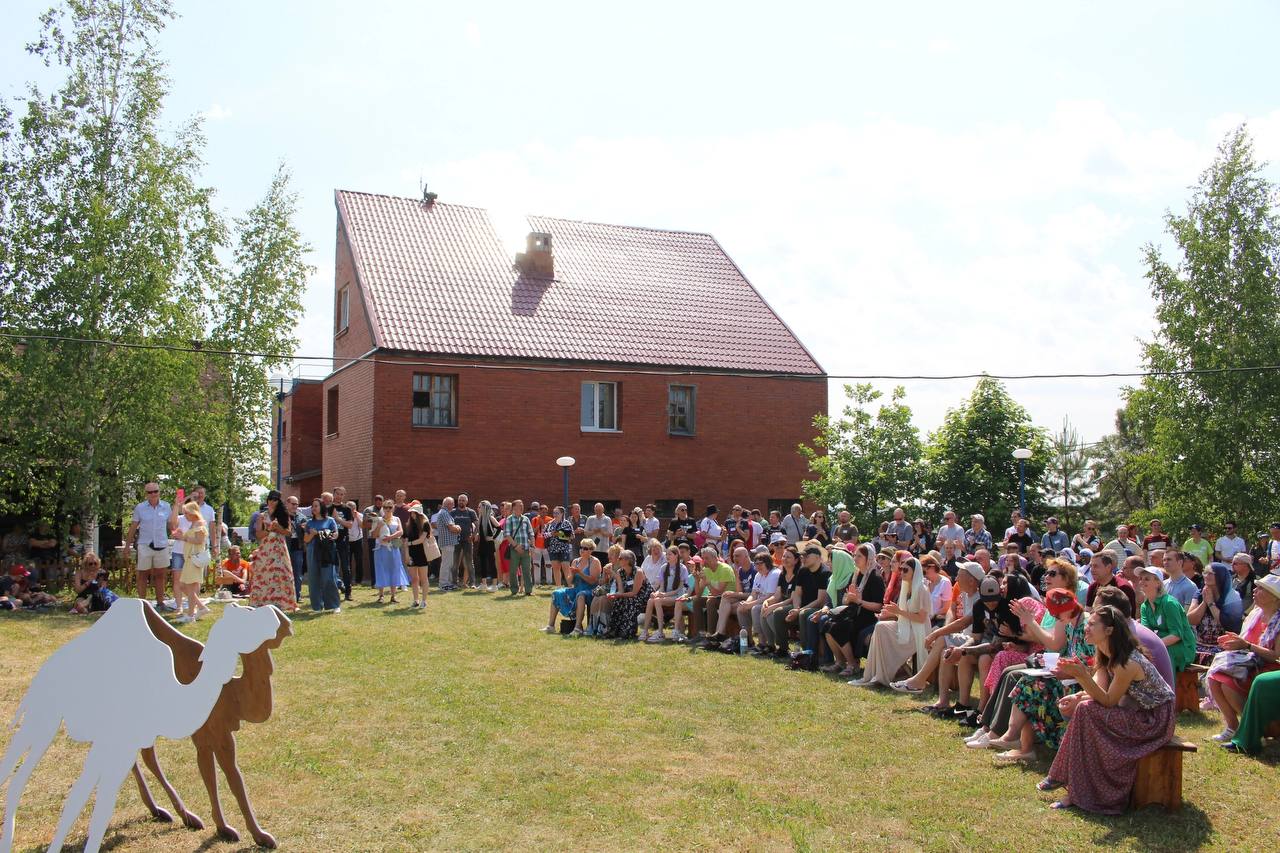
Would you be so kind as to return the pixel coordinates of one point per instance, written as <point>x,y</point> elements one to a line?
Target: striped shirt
<point>445,537</point>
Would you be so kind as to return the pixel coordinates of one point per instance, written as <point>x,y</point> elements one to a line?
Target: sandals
<point>1061,804</point>
<point>1046,784</point>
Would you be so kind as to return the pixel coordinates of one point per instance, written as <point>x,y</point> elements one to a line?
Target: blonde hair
<point>192,507</point>
<point>1066,569</point>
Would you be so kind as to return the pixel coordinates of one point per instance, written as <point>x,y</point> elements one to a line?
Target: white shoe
<point>679,637</point>
<point>644,638</point>
<point>982,741</point>
<point>1221,737</point>
<point>335,611</point>
<point>547,629</point>
<point>655,638</point>
<point>184,619</point>
<point>576,632</point>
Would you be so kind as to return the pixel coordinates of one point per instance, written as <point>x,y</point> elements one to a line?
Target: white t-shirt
<point>1228,547</point>
<point>600,529</point>
<point>650,526</point>
<point>765,586</point>
<point>951,532</point>
<point>711,528</point>
<point>354,533</point>
<point>653,569</point>
<point>941,595</point>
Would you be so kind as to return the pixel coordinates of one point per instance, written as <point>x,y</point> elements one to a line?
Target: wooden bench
<point>1186,688</point>
<point>1159,779</point>
<point>1273,729</point>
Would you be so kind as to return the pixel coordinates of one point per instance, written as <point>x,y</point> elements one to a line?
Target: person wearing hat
<point>849,626</point>
<point>1198,545</point>
<point>1231,675</point>
<point>993,624</point>
<point>952,635</point>
<point>415,534</point>
<point>1053,539</point>
<point>1164,615</point>
<point>777,544</point>
<point>1242,579</point>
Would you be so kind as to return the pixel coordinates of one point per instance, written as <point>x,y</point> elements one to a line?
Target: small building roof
<point>438,280</point>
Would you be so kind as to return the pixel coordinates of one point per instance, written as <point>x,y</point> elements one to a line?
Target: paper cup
<point>1051,660</point>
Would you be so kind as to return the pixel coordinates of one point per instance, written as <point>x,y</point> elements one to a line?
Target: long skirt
<point>1098,759</point>
<point>622,620</point>
<point>1261,708</point>
<point>388,568</point>
<point>886,654</point>
<point>271,577</point>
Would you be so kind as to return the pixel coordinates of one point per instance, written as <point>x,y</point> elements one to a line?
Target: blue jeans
<point>322,584</point>
<point>298,558</point>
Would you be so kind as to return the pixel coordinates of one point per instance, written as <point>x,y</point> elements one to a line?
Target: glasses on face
<point>584,548</point>
<point>153,491</point>
<point>1052,573</point>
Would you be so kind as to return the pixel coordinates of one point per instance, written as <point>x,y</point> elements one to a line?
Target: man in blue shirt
<point>1178,585</point>
<point>1053,538</point>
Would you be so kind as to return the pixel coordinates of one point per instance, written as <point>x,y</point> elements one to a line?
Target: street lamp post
<point>565,463</point>
<point>1022,454</point>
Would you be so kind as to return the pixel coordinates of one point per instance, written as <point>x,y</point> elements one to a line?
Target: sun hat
<point>19,571</point>
<point>1061,602</point>
<point>777,538</point>
<point>1155,571</point>
<point>417,507</point>
<point>1271,583</point>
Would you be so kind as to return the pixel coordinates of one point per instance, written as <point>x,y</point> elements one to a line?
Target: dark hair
<point>280,514</point>
<point>1123,642</point>
<point>1113,596</point>
<point>1106,557</point>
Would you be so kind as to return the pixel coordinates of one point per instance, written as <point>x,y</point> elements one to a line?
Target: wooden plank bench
<point>1186,692</point>
<point>1159,779</point>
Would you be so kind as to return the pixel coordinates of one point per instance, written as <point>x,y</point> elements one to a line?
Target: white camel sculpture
<point>119,707</point>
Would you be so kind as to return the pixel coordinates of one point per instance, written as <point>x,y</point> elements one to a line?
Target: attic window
<point>343,314</point>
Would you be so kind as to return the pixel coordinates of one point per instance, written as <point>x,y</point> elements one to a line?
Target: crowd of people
<point>1069,642</point>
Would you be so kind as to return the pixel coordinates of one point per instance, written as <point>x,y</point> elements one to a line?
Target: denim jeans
<point>298,558</point>
<point>322,584</point>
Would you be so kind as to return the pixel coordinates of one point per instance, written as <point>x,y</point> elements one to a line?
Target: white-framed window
<point>680,409</point>
<point>343,314</point>
<point>599,406</point>
<point>435,400</point>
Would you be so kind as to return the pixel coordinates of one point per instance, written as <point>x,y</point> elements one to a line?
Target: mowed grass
<point>463,728</point>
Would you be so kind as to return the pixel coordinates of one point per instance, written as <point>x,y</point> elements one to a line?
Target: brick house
<point>645,354</point>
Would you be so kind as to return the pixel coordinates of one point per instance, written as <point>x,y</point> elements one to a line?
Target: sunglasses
<point>585,548</point>
<point>1052,573</point>
<point>153,491</point>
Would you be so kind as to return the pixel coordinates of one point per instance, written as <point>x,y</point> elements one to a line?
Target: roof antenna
<point>428,197</point>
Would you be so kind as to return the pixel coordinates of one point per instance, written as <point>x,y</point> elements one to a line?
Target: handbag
<point>431,548</point>
<point>200,560</point>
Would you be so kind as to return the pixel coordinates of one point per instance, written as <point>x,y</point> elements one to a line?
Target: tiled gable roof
<point>440,281</point>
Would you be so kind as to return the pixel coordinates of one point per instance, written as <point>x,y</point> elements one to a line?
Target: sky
<point>915,188</point>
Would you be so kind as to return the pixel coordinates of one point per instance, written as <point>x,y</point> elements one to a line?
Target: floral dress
<point>271,578</point>
<point>622,619</point>
<point>558,536</point>
<point>1037,696</point>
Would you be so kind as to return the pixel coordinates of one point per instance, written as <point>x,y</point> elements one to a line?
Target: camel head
<point>242,630</point>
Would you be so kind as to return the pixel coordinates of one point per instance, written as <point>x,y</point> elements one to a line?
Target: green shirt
<point>1202,549</point>
<point>1165,616</point>
<point>722,573</point>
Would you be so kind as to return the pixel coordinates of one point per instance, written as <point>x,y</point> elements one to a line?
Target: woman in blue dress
<point>388,567</point>
<point>573,601</point>
<point>321,538</point>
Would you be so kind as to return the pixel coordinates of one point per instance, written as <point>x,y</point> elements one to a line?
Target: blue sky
<point>916,188</point>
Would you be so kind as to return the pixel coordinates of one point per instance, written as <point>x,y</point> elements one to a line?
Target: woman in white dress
<point>901,631</point>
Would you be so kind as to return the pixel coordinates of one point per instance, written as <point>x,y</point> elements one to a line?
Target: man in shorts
<point>152,521</point>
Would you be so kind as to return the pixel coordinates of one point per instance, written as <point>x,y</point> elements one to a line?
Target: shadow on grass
<point>1188,829</point>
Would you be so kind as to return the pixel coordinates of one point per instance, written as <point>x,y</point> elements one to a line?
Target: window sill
<point>431,426</point>
<point>604,431</point>
<point>331,435</point>
<point>341,332</point>
<point>681,434</point>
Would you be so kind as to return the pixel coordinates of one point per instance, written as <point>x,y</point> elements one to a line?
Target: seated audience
<point>1124,712</point>
<point>1246,655</point>
<point>711,578</point>
<point>809,595</point>
<point>1217,610</point>
<point>952,635</point>
<point>671,585</point>
<point>1165,616</point>
<point>1261,710</point>
<point>773,615</point>
<point>573,602</point>
<point>849,626</point>
<point>901,632</point>
<point>812,619</point>
<point>763,586</point>
<point>627,598</point>
<point>731,598</point>
<point>1242,579</point>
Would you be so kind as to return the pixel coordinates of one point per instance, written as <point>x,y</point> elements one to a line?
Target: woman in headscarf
<point>901,631</point>
<point>848,630</point>
<point>1216,610</point>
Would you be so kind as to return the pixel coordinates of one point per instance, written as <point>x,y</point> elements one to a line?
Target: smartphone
<point>181,494</point>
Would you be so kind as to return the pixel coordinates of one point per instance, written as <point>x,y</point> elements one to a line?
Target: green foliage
<point>1069,481</point>
<point>970,464</point>
<point>1208,440</point>
<point>107,234</point>
<point>865,463</point>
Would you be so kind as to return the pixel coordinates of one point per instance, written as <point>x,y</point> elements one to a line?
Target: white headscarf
<point>868,552</point>
<point>914,600</point>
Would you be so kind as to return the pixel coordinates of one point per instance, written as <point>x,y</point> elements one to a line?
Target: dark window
<point>782,505</point>
<point>680,409</point>
<point>435,400</point>
<point>343,314</point>
<point>331,412</point>
<point>665,509</point>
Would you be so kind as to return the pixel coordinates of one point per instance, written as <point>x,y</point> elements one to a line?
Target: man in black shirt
<point>811,585</point>
<point>682,527</point>
<point>337,505</point>
<point>466,518</point>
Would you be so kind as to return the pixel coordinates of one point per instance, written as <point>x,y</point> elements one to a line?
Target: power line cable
<point>198,347</point>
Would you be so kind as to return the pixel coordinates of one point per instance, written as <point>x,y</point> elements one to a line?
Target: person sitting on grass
<point>773,615</point>
<point>573,602</point>
<point>1035,715</point>
<point>93,595</point>
<point>627,598</point>
<point>848,629</point>
<point>1163,614</point>
<point>763,586</point>
<point>1124,712</point>
<point>1246,655</point>
<point>17,593</point>
<point>902,629</point>
<point>233,574</point>
<point>1217,610</point>
<point>671,585</point>
<point>955,633</point>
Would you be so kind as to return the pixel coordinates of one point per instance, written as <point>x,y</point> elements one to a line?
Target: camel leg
<point>204,760</point>
<point>28,746</point>
<point>147,800</point>
<point>96,764</point>
<point>104,802</point>
<point>226,755</point>
<point>191,821</point>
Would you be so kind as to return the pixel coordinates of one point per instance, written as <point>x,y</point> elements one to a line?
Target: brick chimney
<point>537,260</point>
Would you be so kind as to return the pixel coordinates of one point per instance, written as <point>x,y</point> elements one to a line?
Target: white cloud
<point>216,112</point>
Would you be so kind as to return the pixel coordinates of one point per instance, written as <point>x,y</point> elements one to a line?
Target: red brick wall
<point>303,441</point>
<point>358,338</point>
<point>512,425</point>
<point>348,460</point>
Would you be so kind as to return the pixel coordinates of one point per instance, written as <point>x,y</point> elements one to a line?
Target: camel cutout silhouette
<point>246,698</point>
<point>119,709</point>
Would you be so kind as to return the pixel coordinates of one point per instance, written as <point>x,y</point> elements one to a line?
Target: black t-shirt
<point>952,568</point>
<point>347,515</point>
<point>786,587</point>
<point>632,538</point>
<point>987,624</point>
<point>810,583</point>
<point>1024,540</point>
<point>872,590</point>
<point>682,529</point>
<point>466,518</point>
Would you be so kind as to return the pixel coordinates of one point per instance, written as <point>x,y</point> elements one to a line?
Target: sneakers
<point>577,632</point>
<point>644,636</point>
<point>981,740</point>
<point>680,637</point>
<point>184,619</point>
<point>335,611</point>
<point>904,687</point>
<point>655,638</point>
<point>547,629</point>
<point>1221,737</point>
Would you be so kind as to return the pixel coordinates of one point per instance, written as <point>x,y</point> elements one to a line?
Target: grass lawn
<point>465,728</point>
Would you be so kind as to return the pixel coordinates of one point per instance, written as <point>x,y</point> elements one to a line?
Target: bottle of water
<point>742,641</point>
